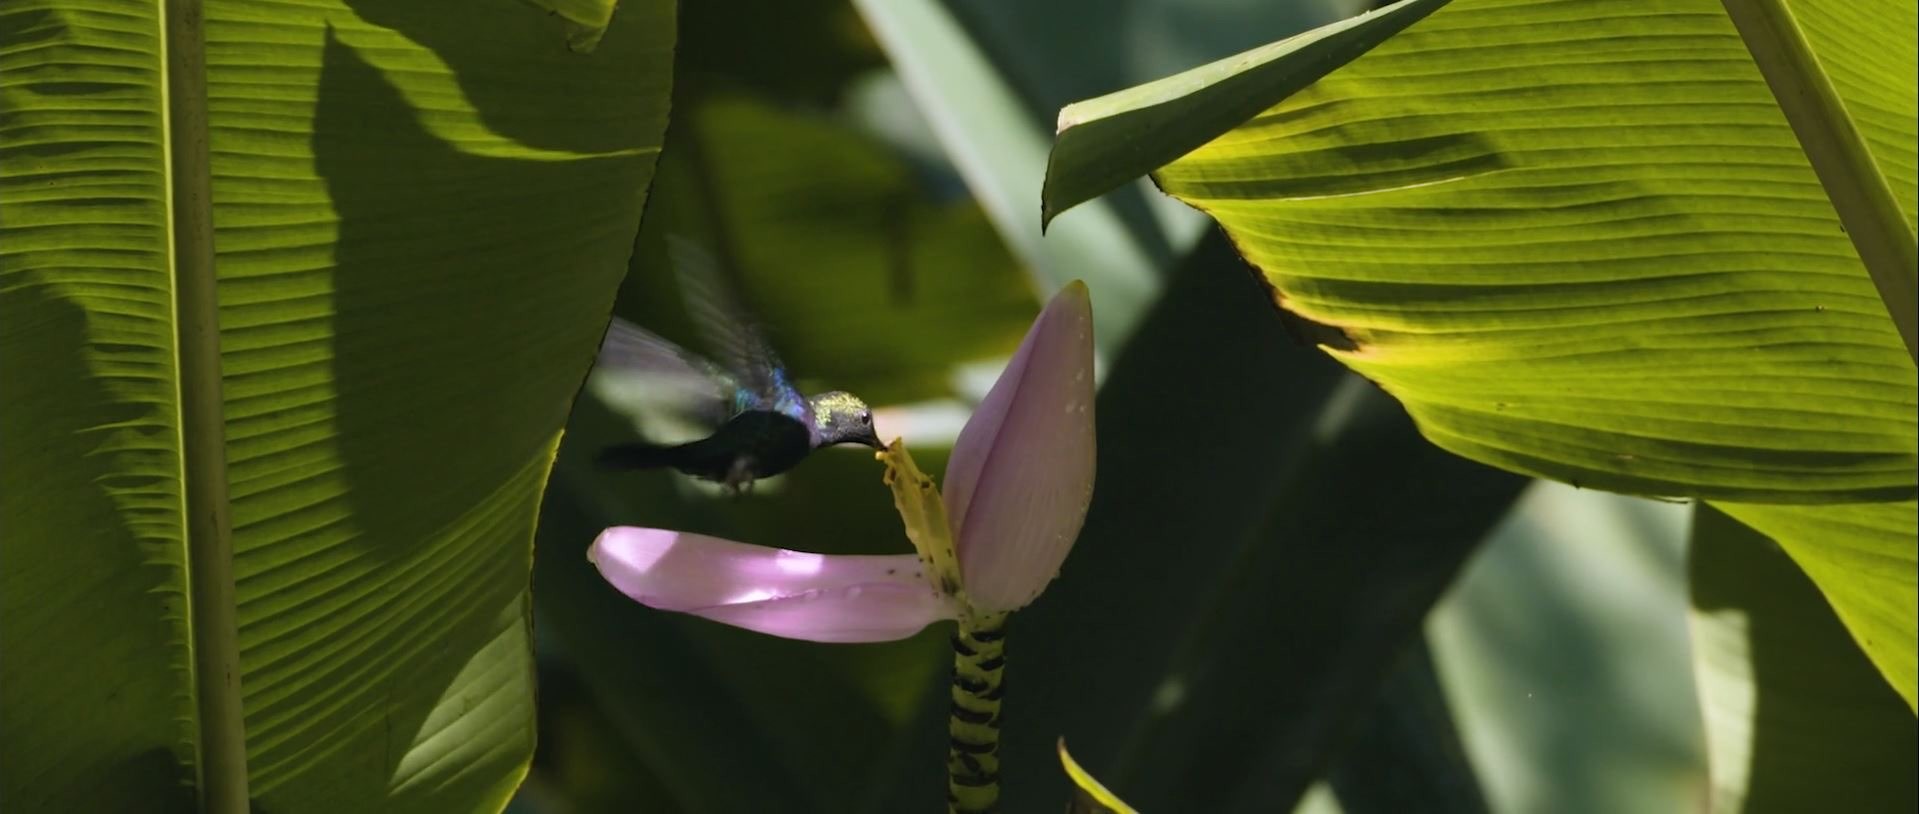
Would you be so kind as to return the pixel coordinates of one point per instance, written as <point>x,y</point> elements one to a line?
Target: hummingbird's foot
<point>739,478</point>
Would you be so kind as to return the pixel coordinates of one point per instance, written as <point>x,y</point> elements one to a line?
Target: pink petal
<point>1021,474</point>
<point>795,594</point>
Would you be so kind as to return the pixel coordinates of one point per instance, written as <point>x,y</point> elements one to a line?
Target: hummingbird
<point>761,423</point>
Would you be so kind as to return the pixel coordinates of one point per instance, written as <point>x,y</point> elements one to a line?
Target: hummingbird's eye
<point>866,416</point>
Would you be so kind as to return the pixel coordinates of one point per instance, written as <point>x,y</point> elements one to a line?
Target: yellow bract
<point>924,512</point>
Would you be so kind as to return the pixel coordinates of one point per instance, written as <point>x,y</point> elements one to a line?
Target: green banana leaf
<point>1796,717</point>
<point>1581,241</point>
<point>268,531</point>
<point>1861,556</point>
<point>1058,52</point>
<point>1097,148</point>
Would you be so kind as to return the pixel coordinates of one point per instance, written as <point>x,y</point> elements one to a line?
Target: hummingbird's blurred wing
<point>727,328</point>
<point>671,377</point>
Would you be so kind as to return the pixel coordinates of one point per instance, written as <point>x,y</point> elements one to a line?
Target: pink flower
<point>1016,491</point>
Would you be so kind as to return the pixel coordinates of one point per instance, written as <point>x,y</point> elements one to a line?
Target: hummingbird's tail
<point>640,455</point>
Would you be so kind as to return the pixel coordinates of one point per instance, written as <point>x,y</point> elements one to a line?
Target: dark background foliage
<point>1283,598</point>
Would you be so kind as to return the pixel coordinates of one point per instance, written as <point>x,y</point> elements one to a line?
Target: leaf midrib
<point>220,751</point>
<point>1859,191</point>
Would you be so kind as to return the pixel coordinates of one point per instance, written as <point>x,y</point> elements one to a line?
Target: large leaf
<point>1809,58</point>
<point>1795,717</point>
<point>418,216</point>
<point>1580,241</point>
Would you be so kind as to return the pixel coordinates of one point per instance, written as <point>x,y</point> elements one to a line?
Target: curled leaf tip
<point>1091,795</point>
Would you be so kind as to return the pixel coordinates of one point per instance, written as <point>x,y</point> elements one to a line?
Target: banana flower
<point>1016,491</point>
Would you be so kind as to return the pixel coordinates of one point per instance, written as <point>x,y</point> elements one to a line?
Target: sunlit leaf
<point>1113,139</point>
<point>1821,61</point>
<point>418,215</point>
<point>1861,556</point>
<point>1579,241</point>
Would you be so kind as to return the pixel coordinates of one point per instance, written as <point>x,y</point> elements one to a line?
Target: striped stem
<point>972,748</point>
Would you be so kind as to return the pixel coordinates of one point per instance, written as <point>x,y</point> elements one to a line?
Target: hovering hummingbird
<point>762,424</point>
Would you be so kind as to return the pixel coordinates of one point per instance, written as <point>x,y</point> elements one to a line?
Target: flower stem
<point>972,750</point>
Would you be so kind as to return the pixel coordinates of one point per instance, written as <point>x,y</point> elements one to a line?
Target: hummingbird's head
<point>840,417</point>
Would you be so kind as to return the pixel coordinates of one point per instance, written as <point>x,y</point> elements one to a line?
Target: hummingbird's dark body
<point>754,444</point>
<point>763,424</point>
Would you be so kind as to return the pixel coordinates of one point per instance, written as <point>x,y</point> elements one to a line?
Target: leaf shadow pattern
<point>1320,603</point>
<point>469,285</point>
<point>69,524</point>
